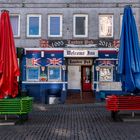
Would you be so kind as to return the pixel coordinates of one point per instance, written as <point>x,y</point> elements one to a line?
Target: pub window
<point>105,25</point>
<point>15,23</point>
<point>54,73</point>
<point>80,25</point>
<point>121,18</point>
<point>32,73</point>
<point>55,25</point>
<point>106,74</point>
<point>33,25</point>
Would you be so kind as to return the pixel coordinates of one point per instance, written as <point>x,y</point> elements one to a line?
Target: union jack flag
<point>116,43</point>
<point>54,61</point>
<point>32,62</point>
<point>35,62</point>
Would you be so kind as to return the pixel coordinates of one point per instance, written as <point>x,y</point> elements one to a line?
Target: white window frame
<point>28,17</point>
<point>86,25</point>
<point>27,71</point>
<point>103,15</point>
<point>121,18</point>
<point>55,15</point>
<point>52,66</point>
<point>107,80</point>
<point>12,15</point>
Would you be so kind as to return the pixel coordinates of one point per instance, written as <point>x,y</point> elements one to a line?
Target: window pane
<point>106,26</point>
<point>14,22</point>
<point>54,73</point>
<point>80,26</point>
<point>54,25</point>
<point>34,26</point>
<point>121,17</point>
<point>106,74</point>
<point>33,74</point>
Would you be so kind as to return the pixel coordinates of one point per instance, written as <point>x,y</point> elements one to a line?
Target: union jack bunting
<point>32,62</point>
<point>54,61</point>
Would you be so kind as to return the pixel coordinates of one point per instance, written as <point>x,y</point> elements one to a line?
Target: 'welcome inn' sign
<point>80,53</point>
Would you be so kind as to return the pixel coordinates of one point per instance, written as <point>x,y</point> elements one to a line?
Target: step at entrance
<point>78,98</point>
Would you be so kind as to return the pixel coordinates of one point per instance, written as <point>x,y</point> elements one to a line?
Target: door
<point>86,78</point>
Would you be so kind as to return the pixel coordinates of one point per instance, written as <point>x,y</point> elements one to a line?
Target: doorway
<point>86,78</point>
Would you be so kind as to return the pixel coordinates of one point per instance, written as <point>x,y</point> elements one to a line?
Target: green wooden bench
<point>20,106</point>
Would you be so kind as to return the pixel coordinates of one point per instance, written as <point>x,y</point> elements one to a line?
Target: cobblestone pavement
<point>71,122</point>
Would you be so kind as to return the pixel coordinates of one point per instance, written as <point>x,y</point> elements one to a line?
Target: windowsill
<point>45,82</point>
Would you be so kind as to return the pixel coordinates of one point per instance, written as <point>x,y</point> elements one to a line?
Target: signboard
<point>101,43</point>
<point>80,53</point>
<point>111,86</point>
<point>105,43</point>
<point>79,62</point>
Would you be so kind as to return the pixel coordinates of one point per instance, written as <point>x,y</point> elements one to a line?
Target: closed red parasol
<point>8,61</point>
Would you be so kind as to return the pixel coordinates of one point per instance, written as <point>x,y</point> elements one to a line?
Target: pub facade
<point>66,48</point>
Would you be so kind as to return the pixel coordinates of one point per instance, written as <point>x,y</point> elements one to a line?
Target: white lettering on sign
<point>79,61</point>
<point>80,53</point>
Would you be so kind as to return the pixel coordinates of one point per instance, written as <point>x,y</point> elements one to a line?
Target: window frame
<point>14,15</point>
<point>28,17</point>
<point>86,25</point>
<point>33,67</point>
<point>112,33</point>
<point>121,19</point>
<point>61,24</point>
<point>54,80</point>
<point>106,67</point>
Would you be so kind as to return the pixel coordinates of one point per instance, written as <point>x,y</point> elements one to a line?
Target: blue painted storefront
<point>42,90</point>
<point>107,57</point>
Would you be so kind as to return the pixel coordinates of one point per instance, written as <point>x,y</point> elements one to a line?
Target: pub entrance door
<point>86,78</point>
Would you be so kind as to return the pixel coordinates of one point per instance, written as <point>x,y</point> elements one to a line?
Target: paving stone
<point>71,122</point>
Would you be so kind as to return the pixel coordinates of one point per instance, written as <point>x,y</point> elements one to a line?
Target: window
<point>121,18</point>
<point>54,73</point>
<point>106,74</point>
<point>33,25</point>
<point>80,25</point>
<point>55,25</point>
<point>105,25</point>
<point>32,73</point>
<point>15,23</point>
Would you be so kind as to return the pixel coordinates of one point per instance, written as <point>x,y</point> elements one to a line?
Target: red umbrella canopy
<point>9,69</point>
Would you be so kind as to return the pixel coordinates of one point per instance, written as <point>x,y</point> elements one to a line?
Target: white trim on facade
<point>43,49</point>
<point>33,15</point>
<point>55,15</point>
<point>44,82</point>
<point>86,25</point>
